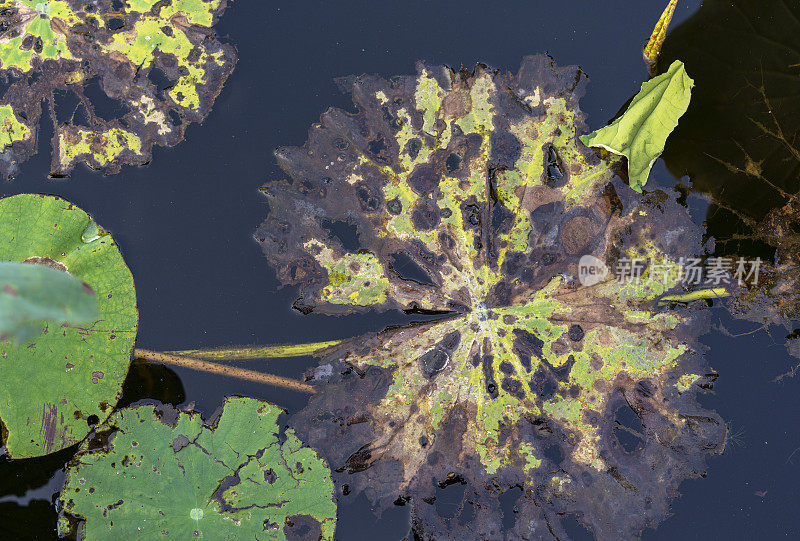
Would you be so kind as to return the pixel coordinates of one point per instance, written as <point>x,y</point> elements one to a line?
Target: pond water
<point>185,224</point>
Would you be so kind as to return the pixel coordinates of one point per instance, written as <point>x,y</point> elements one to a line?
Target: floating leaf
<point>471,197</point>
<point>53,389</point>
<point>31,295</point>
<point>641,132</point>
<point>157,59</point>
<point>167,474</point>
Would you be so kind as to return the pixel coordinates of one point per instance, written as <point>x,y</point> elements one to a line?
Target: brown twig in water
<point>224,370</point>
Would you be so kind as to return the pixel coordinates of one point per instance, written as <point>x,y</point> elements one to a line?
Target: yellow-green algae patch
<point>355,279</point>
<point>98,149</point>
<point>11,129</point>
<point>40,34</point>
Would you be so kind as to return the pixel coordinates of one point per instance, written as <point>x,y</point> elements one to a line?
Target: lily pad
<point>641,132</point>
<point>33,294</point>
<point>164,473</point>
<point>54,388</point>
<point>159,60</point>
<point>471,197</point>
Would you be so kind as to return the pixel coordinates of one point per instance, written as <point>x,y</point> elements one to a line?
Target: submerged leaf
<point>55,388</point>
<point>470,196</point>
<point>641,132</point>
<point>158,60</point>
<point>168,474</point>
<point>31,295</point>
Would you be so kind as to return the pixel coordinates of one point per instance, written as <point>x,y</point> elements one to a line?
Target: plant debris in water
<point>469,194</point>
<point>155,62</point>
<point>164,473</point>
<point>56,386</point>
<point>745,156</point>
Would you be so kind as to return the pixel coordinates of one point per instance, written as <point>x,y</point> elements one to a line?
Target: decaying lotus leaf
<point>475,184</point>
<point>157,59</point>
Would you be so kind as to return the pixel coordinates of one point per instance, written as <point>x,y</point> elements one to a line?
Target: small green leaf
<point>707,294</point>
<point>167,474</point>
<point>32,294</point>
<point>68,377</point>
<point>641,132</point>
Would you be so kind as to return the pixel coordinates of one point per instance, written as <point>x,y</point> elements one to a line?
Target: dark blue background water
<point>184,224</point>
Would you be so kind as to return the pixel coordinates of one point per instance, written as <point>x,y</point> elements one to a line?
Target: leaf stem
<point>224,370</point>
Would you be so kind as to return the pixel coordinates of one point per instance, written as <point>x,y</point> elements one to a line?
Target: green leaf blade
<point>67,378</point>
<point>641,132</point>
<point>32,294</point>
<point>168,474</point>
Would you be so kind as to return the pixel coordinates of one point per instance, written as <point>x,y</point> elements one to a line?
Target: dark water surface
<point>184,224</point>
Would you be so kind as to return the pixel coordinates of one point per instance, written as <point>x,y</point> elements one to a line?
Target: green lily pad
<point>54,388</point>
<point>470,196</point>
<point>641,132</point>
<point>159,60</point>
<point>33,294</point>
<point>167,474</point>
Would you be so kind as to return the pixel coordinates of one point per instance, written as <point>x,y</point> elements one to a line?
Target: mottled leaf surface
<point>471,196</point>
<point>167,474</point>
<point>118,80</point>
<point>31,295</point>
<point>58,384</point>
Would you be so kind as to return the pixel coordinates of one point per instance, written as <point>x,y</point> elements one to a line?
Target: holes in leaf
<point>408,269</point>
<point>344,232</point>
<point>450,496</point>
<point>65,104</point>
<point>159,80</point>
<point>553,165</point>
<point>104,107</point>
<point>508,505</point>
<point>413,147</point>
<point>628,429</point>
<point>453,163</point>
<point>175,117</point>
